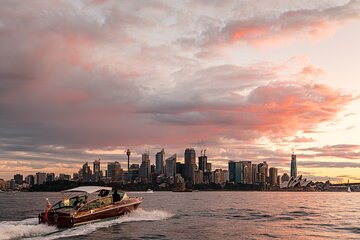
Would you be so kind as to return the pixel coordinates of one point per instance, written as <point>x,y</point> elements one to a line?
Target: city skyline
<point>197,163</point>
<point>249,82</point>
<point>174,173</point>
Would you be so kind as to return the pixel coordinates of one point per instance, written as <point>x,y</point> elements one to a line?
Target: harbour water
<point>199,215</point>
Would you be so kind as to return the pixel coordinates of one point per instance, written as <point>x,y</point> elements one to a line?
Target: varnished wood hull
<point>63,219</point>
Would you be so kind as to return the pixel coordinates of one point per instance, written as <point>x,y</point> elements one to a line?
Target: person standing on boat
<point>116,197</point>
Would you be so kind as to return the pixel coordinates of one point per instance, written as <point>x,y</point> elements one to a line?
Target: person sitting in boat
<point>103,193</point>
<point>77,201</point>
<point>116,197</point>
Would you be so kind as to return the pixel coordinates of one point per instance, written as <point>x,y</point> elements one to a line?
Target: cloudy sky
<point>246,80</point>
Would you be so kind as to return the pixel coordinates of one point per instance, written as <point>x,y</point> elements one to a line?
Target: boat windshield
<point>100,201</point>
<point>70,202</point>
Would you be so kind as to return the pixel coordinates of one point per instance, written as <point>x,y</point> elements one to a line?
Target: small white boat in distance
<point>349,189</point>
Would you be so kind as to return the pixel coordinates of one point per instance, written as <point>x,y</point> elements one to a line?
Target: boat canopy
<point>87,189</point>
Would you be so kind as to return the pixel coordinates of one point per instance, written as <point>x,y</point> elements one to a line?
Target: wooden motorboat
<point>88,204</point>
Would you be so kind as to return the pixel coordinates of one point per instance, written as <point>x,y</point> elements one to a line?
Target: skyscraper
<point>117,172</point>
<point>159,158</point>
<point>97,171</point>
<point>263,172</point>
<point>190,166</point>
<point>273,172</point>
<point>203,162</point>
<point>86,172</point>
<point>247,167</point>
<point>145,169</point>
<point>293,168</point>
<point>170,170</point>
<point>18,178</point>
<point>110,169</point>
<point>50,177</point>
<point>255,173</point>
<point>40,178</point>
<point>239,172</point>
<point>231,171</point>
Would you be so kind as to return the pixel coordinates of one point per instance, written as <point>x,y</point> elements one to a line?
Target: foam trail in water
<point>25,228</point>
<point>136,216</point>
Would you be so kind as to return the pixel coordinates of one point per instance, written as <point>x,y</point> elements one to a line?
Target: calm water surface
<point>199,215</point>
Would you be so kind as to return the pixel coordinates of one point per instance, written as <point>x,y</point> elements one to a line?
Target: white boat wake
<point>29,228</point>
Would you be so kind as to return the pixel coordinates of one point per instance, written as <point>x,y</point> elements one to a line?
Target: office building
<point>159,161</point>
<point>170,167</point>
<point>247,168</point>
<point>18,179</point>
<point>97,171</point>
<point>50,177</point>
<point>85,173</point>
<point>145,168</point>
<point>110,169</point>
<point>30,179</point>
<point>40,178</point>
<point>117,172</point>
<point>190,165</point>
<point>203,162</point>
<point>273,174</point>
<point>255,173</point>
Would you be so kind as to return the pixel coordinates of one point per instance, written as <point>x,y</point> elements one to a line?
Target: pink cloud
<point>289,25</point>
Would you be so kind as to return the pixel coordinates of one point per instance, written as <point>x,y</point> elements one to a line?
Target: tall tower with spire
<point>293,168</point>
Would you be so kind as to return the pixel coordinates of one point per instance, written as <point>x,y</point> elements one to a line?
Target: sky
<point>246,80</point>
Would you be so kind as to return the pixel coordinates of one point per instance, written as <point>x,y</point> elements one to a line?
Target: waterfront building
<point>159,161</point>
<point>65,177</point>
<point>247,168</point>
<point>231,167</point>
<point>297,183</point>
<point>2,184</point>
<point>50,177</point>
<point>18,179</point>
<point>236,171</point>
<point>273,172</point>
<point>219,176</point>
<point>255,173</point>
<point>40,178</point>
<point>239,172</point>
<point>12,184</point>
<point>285,177</point>
<point>170,167</point>
<point>30,179</point>
<point>190,165</point>
<point>145,168</point>
<point>293,167</point>
<point>199,177</point>
<point>263,172</point>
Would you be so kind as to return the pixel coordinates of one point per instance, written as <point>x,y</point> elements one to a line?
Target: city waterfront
<point>199,215</point>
